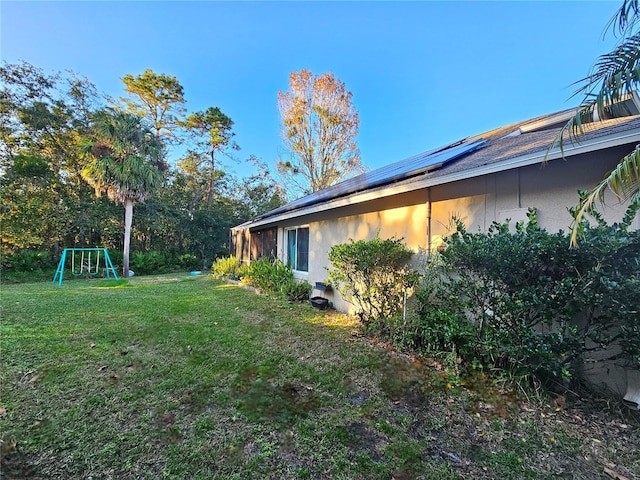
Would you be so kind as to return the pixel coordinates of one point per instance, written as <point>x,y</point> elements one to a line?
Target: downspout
<point>518,193</point>
<point>428,247</point>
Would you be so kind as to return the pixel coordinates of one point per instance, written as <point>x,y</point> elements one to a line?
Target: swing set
<point>86,262</point>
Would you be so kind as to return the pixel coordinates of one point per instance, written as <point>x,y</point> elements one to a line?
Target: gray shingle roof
<point>492,147</point>
<point>507,147</point>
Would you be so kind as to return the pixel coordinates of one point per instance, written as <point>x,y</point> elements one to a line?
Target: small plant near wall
<point>374,275</point>
<point>228,267</point>
<point>269,275</point>
<point>295,291</point>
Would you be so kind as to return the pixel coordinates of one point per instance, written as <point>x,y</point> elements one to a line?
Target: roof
<point>507,147</point>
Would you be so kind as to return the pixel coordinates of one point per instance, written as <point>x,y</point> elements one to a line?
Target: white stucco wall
<point>550,189</point>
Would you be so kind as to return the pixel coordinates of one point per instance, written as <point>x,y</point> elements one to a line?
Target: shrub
<point>374,275</point>
<point>296,291</point>
<point>436,332</point>
<point>117,259</point>
<point>227,267</point>
<point>27,261</point>
<point>268,275</point>
<point>148,263</point>
<point>275,277</point>
<point>188,261</point>
<point>526,304</point>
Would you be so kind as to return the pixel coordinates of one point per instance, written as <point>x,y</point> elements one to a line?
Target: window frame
<point>293,263</point>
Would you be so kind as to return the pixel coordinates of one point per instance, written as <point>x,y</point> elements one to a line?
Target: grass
<point>38,275</point>
<point>185,377</point>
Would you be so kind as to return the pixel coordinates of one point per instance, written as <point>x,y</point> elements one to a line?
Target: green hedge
<point>526,304</point>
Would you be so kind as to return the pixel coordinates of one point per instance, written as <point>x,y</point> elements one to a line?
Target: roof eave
<point>577,148</point>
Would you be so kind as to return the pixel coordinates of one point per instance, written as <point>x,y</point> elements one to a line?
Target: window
<point>298,248</point>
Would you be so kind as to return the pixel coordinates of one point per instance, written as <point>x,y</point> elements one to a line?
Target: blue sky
<point>422,74</point>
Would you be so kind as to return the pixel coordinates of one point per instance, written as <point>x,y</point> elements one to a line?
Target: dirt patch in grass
<point>13,463</point>
<point>263,399</point>
<point>360,438</point>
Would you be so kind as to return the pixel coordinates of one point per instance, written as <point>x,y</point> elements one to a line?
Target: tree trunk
<point>211,174</point>
<point>128,218</point>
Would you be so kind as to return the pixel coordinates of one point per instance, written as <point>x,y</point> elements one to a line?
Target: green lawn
<point>187,378</point>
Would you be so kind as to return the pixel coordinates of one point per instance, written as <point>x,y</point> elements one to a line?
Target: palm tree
<point>124,160</point>
<point>614,77</point>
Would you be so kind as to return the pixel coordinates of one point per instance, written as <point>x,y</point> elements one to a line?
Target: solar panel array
<point>393,172</point>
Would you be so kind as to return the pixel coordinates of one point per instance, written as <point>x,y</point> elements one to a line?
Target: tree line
<point>63,145</point>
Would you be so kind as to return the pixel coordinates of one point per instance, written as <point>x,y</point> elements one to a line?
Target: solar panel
<point>409,167</point>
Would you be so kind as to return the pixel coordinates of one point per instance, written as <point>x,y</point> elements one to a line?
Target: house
<point>494,176</point>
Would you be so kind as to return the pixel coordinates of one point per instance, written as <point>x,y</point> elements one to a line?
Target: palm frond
<point>123,157</point>
<point>614,76</point>
<point>624,181</point>
<point>571,130</point>
<point>625,19</point>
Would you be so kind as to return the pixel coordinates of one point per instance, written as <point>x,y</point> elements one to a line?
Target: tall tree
<point>212,130</point>
<point>159,98</point>
<point>46,203</point>
<point>614,76</point>
<point>124,160</point>
<point>319,128</point>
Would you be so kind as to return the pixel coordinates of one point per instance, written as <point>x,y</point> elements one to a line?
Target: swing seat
<point>91,267</point>
<point>94,272</point>
<point>76,273</point>
<point>85,267</point>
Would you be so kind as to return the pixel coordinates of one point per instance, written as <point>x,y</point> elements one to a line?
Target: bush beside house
<point>270,276</point>
<point>521,304</point>
<point>374,275</point>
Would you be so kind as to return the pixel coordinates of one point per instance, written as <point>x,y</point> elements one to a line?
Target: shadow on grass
<point>262,399</point>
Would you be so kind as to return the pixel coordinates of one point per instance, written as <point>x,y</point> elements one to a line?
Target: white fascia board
<point>599,143</point>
